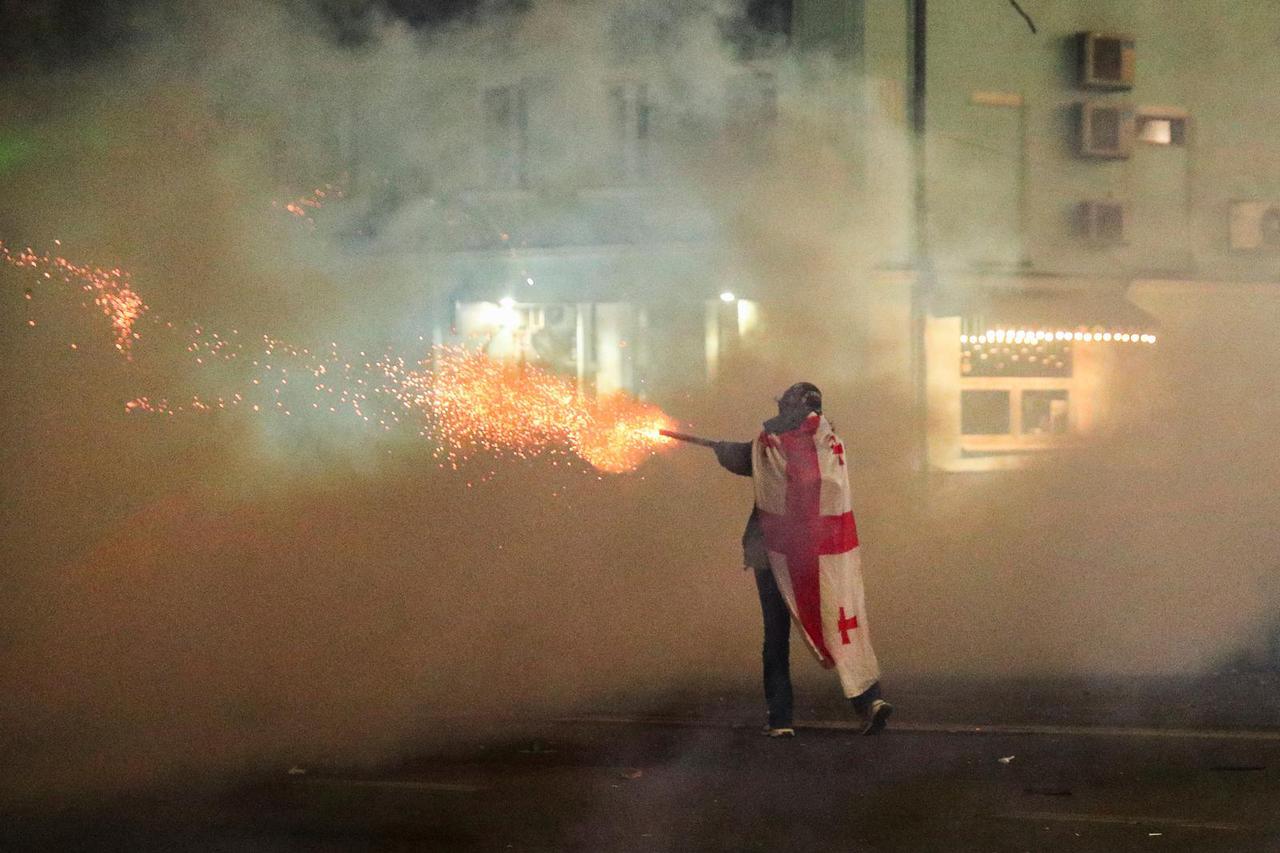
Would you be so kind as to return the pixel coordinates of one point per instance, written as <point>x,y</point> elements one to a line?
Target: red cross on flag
<point>802,492</point>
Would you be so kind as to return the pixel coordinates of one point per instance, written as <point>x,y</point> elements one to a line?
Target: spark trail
<point>111,289</point>
<point>467,403</point>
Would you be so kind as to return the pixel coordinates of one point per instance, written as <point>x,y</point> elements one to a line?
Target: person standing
<point>801,542</point>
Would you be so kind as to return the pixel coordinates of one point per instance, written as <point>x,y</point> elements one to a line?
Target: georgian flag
<point>802,492</point>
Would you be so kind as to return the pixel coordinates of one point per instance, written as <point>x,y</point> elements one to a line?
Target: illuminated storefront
<point>614,319</point>
<point>1015,372</point>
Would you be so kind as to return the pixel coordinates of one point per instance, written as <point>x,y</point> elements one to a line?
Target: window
<point>1044,412</point>
<point>1015,388</point>
<point>984,413</point>
<point>1157,130</point>
<point>1103,222</point>
<point>1106,61</point>
<point>1106,130</point>
<point>506,129</point>
<point>632,118</point>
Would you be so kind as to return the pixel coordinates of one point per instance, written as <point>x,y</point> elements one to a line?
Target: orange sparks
<point>303,206</point>
<point>465,401</point>
<point>477,403</point>
<point>112,290</point>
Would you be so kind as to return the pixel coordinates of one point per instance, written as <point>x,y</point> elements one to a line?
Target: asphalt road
<point>709,782</point>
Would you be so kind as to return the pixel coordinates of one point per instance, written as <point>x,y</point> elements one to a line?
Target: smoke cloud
<point>229,592</point>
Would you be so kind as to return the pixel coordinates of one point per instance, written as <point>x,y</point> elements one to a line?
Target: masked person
<point>802,543</point>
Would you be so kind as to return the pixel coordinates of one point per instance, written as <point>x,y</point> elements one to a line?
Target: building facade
<point>1051,188</point>
<point>1115,157</point>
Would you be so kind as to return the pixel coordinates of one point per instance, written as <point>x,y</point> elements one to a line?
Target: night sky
<point>40,36</point>
<point>46,35</point>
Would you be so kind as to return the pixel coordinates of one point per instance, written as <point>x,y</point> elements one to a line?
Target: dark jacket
<point>735,457</point>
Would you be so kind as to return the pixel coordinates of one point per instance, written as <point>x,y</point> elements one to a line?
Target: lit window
<point>1162,131</point>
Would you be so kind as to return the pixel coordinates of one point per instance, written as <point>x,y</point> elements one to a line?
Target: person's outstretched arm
<point>734,456</point>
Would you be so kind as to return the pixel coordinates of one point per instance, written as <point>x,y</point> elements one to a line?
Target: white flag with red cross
<point>802,492</point>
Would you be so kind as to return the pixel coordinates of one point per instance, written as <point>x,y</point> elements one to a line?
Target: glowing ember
<point>303,206</point>
<point>112,290</point>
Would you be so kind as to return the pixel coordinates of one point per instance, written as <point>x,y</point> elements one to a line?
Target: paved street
<point>707,781</point>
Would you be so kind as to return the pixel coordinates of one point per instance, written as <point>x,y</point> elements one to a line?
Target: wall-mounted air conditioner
<point>1103,223</point>
<point>1255,225</point>
<point>1105,130</point>
<point>1106,61</point>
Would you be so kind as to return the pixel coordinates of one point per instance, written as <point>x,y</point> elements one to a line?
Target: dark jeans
<point>777,650</point>
<point>777,655</point>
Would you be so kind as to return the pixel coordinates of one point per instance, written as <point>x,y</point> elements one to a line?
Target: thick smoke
<point>232,592</point>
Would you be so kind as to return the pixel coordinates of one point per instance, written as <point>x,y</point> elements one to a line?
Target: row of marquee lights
<point>1035,336</point>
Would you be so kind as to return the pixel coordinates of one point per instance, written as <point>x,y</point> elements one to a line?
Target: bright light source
<point>1157,131</point>
<point>528,280</point>
<point>507,302</point>
<point>727,296</point>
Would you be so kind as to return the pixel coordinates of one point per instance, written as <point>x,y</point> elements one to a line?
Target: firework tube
<point>684,436</point>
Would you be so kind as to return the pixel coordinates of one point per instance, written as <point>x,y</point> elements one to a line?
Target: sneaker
<point>873,721</point>
<point>778,731</point>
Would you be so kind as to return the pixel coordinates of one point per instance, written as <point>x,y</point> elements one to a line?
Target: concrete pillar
<point>582,340</point>
<point>942,391</point>
<point>613,339</point>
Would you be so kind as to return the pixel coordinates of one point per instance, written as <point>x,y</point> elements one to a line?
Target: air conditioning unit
<point>1103,223</point>
<point>1105,130</point>
<point>1255,225</point>
<point>1106,61</point>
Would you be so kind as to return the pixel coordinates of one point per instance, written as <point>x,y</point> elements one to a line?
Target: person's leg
<point>871,707</point>
<point>776,653</point>
<point>863,700</point>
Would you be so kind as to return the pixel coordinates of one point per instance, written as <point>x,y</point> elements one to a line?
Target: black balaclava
<point>795,404</point>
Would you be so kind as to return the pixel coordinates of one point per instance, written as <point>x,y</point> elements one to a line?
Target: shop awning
<point>1045,310</point>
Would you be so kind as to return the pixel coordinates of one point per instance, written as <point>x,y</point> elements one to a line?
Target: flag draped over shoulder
<point>802,493</point>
